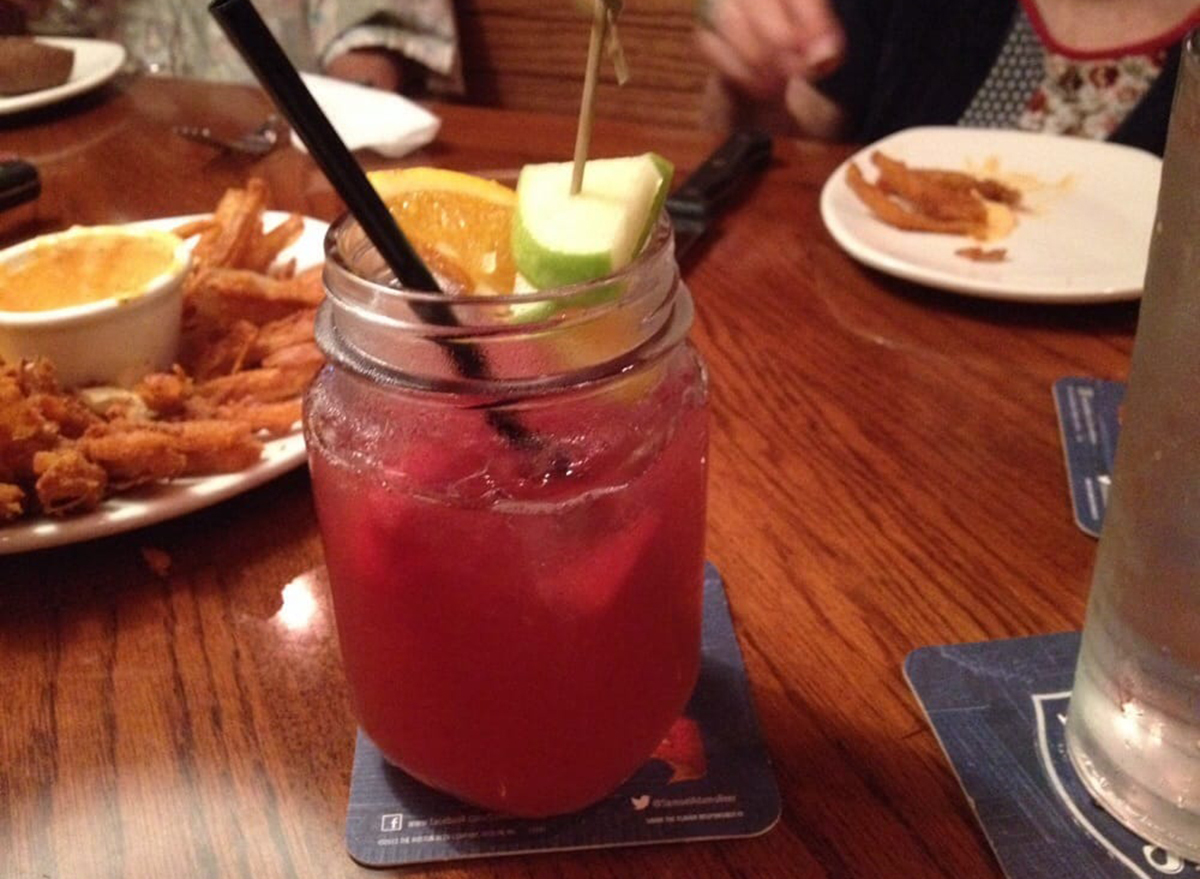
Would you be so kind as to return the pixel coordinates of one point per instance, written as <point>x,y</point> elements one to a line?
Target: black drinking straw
<point>279,78</point>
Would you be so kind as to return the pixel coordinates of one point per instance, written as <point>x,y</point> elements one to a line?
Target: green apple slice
<point>561,239</point>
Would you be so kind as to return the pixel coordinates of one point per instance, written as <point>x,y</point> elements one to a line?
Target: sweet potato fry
<point>268,246</point>
<point>896,214</point>
<point>266,385</point>
<point>994,190</point>
<point>285,332</point>
<point>237,223</point>
<point>934,199</point>
<point>305,357</point>
<point>225,353</point>
<point>274,419</point>
<point>195,227</point>
<point>229,295</point>
<point>307,285</point>
<point>283,270</point>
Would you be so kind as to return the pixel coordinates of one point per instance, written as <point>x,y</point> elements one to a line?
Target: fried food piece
<point>12,502</point>
<point>989,189</point>
<point>134,453</point>
<point>195,227</point>
<point>111,403</point>
<point>228,295</point>
<point>305,357</point>
<point>935,200</point>
<point>214,446</point>
<point>166,393</point>
<point>37,376</point>
<point>237,225</point>
<point>927,194</point>
<point>24,430</point>
<point>283,333</point>
<point>896,214</point>
<point>265,385</point>
<point>68,412</point>
<point>207,445</point>
<point>981,254</point>
<point>267,247</point>
<point>224,351</point>
<point>67,482</point>
<point>274,419</point>
<point>283,270</point>
<point>994,190</point>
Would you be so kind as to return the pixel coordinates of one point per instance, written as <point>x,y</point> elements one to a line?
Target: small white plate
<point>157,503</point>
<point>1084,239</point>
<point>96,62</point>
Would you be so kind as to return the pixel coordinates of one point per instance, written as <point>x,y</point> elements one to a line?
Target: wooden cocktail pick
<point>604,35</point>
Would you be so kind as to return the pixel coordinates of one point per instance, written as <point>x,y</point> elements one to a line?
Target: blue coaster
<point>710,779</point>
<point>999,709</point>
<point>1088,423</point>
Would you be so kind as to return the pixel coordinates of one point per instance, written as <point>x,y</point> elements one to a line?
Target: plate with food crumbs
<point>999,214</point>
<point>93,63</point>
<point>224,421</point>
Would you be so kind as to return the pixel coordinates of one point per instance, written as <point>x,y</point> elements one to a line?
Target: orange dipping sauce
<point>85,266</point>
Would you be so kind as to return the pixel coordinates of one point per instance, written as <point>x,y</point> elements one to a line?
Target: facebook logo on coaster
<point>391,823</point>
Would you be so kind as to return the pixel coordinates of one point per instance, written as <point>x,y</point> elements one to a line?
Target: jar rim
<point>659,244</point>
<point>502,343</point>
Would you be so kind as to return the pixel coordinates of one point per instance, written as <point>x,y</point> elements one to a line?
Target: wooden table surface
<point>885,474</point>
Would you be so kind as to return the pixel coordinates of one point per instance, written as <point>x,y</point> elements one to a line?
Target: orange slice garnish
<point>460,224</point>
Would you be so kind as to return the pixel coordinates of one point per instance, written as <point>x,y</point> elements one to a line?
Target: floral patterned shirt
<point>1039,85</point>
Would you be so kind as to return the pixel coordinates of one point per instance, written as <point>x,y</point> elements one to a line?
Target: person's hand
<point>377,68</point>
<point>759,45</point>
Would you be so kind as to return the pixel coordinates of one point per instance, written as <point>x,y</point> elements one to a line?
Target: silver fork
<point>258,142</point>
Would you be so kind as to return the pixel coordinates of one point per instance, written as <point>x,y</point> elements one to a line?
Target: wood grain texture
<point>529,55</point>
<point>885,474</point>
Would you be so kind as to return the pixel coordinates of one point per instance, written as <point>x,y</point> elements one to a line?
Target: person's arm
<point>378,68</point>
<point>382,42</point>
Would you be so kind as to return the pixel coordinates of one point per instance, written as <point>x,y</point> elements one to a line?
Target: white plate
<point>96,62</point>
<point>157,503</point>
<point>1084,240</point>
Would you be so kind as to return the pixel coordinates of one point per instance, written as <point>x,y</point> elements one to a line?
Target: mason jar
<point>511,496</point>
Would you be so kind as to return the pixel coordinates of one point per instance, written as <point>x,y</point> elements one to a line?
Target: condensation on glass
<point>1133,728</point>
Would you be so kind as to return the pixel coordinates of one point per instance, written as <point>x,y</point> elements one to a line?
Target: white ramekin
<point>113,341</point>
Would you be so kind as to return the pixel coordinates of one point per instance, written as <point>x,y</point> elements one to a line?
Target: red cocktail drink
<point>519,617</point>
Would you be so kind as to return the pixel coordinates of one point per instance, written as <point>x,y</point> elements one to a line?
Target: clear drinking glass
<point>1133,728</point>
<point>516,560</point>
